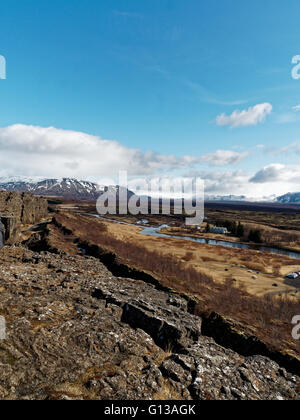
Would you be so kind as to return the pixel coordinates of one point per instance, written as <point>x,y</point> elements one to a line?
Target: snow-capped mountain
<point>239,198</point>
<point>65,187</point>
<point>74,189</point>
<point>290,198</point>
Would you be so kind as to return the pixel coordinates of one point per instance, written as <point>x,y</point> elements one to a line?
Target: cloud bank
<point>277,173</point>
<point>270,181</point>
<point>224,158</point>
<point>52,152</point>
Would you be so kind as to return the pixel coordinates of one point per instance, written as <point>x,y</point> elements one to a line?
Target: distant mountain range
<point>74,189</point>
<point>226,198</point>
<point>290,198</point>
<point>241,198</point>
<point>69,188</point>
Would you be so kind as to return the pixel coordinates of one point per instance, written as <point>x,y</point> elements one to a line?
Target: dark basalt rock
<point>2,235</point>
<point>20,209</point>
<point>75,331</point>
<point>27,208</point>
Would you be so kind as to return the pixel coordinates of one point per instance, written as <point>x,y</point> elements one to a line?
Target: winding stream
<point>152,231</point>
<point>156,231</point>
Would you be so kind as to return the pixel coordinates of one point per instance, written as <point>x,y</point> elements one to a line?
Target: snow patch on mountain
<point>290,198</point>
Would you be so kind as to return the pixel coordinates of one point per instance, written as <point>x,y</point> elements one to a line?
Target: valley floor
<point>212,276</point>
<point>95,310</point>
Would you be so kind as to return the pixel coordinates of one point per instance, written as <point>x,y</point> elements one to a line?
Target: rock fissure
<point>97,336</point>
<point>223,331</point>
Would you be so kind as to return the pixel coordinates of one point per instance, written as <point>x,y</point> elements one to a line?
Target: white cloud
<point>51,152</point>
<point>279,174</point>
<point>272,180</point>
<point>56,152</point>
<point>296,108</point>
<point>253,116</point>
<point>224,158</point>
<point>270,173</point>
<point>225,182</point>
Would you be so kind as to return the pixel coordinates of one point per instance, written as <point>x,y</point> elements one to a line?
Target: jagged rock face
<point>20,209</point>
<point>28,209</point>
<point>74,331</point>
<point>2,235</point>
<point>11,228</point>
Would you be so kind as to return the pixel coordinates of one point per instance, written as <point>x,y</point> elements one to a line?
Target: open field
<point>273,237</point>
<point>219,262</point>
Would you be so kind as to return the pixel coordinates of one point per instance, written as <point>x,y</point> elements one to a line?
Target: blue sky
<point>155,77</point>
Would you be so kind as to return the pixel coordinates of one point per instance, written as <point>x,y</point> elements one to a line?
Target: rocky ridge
<point>20,209</point>
<point>75,331</point>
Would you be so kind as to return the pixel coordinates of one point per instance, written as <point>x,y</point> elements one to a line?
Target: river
<point>156,231</point>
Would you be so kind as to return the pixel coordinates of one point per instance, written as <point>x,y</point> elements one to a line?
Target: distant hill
<point>75,189</point>
<point>226,198</point>
<point>290,198</point>
<point>241,198</point>
<point>65,187</point>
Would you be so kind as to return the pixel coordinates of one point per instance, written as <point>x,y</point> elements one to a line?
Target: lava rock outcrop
<point>76,332</point>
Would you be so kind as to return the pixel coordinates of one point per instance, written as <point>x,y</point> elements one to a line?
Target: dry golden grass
<point>277,270</point>
<point>255,266</point>
<point>167,393</point>
<point>204,258</point>
<point>189,256</point>
<point>210,260</point>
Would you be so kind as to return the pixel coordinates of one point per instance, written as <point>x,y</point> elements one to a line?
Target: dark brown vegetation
<point>274,237</point>
<point>259,233</point>
<point>282,217</point>
<point>267,318</point>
